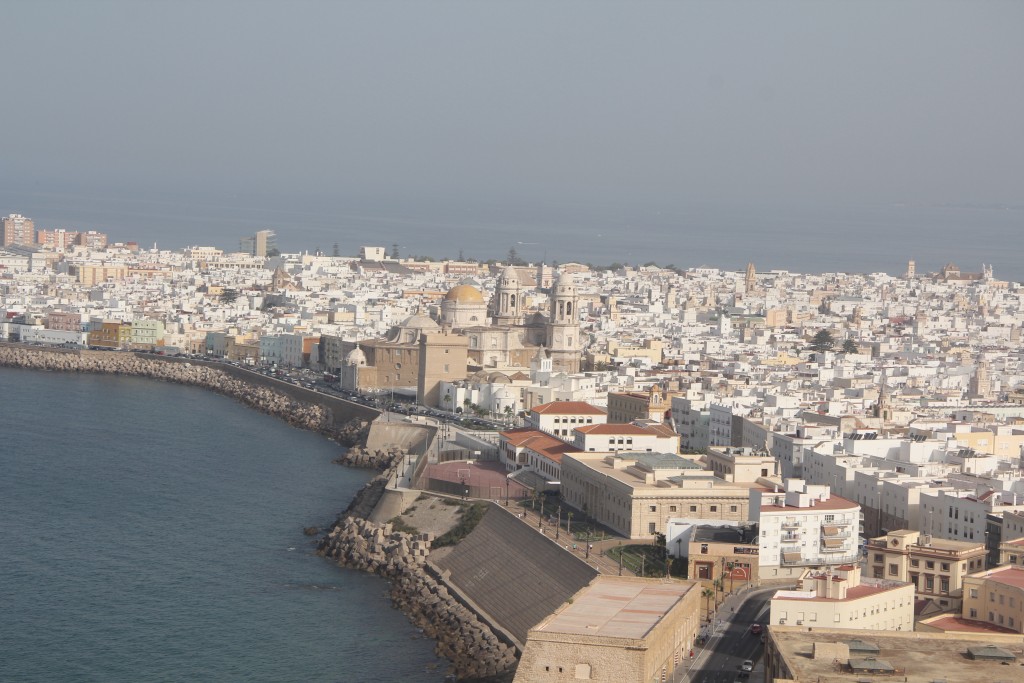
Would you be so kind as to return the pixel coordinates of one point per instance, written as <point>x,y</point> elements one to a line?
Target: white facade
<point>806,526</point>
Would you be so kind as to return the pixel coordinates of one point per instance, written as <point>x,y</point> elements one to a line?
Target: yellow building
<point>628,406</point>
<point>618,630</point>
<point>996,597</point>
<point>935,566</point>
<point>635,494</point>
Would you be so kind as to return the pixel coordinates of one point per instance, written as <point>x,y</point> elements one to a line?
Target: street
<point>733,643</point>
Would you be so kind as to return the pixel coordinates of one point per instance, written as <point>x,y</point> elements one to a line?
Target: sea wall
<point>300,413</point>
<point>475,651</point>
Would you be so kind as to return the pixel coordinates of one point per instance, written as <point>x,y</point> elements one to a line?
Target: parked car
<point>755,629</point>
<point>747,665</point>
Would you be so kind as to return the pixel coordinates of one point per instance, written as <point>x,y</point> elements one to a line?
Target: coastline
<point>475,651</point>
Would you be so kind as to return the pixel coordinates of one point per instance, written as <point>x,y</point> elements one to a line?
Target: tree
<point>822,341</point>
<point>850,346</point>
<point>447,398</point>
<point>708,595</point>
<point>229,296</point>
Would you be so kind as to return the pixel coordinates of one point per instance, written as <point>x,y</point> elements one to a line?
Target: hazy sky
<point>691,101</point>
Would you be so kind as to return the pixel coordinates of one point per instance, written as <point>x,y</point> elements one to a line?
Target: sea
<point>154,532</point>
<point>812,237</point>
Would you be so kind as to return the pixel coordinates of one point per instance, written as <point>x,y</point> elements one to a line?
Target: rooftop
<point>617,607</point>
<point>568,408</point>
<point>921,657</point>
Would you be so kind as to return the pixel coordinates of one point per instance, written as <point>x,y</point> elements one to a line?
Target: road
<point>735,643</point>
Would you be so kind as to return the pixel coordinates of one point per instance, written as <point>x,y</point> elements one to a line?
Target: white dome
<point>355,357</point>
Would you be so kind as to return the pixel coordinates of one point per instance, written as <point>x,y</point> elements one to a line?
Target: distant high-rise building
<point>92,239</point>
<point>19,230</point>
<point>59,238</point>
<point>260,244</point>
<point>750,279</point>
<point>911,270</point>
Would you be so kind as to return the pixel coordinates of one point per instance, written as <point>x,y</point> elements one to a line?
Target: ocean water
<point>153,532</point>
<point>809,238</point>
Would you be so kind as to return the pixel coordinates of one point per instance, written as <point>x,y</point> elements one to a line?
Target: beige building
<point>442,358</point>
<point>935,566</point>
<point>618,630</point>
<point>1012,552</point>
<point>636,494</point>
<point>18,230</point>
<point>629,406</point>
<point>840,598</point>
<point>996,597</point>
<point>826,654</point>
<point>742,464</point>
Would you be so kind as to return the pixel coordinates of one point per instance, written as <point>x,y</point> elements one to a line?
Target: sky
<point>579,102</point>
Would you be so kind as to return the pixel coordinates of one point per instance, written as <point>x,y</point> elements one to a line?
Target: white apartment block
<point>562,417</point>
<point>804,526</point>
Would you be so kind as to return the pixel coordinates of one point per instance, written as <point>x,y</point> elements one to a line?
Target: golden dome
<point>464,294</point>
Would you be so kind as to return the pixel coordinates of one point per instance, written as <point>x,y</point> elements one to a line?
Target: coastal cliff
<point>300,414</point>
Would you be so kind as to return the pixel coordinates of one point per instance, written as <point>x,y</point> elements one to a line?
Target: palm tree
<point>508,414</point>
<point>708,594</point>
<point>447,400</point>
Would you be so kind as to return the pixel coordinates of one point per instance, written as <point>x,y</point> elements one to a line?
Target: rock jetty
<point>304,415</point>
<point>475,651</point>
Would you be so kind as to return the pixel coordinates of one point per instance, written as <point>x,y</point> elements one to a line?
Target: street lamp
<point>558,527</point>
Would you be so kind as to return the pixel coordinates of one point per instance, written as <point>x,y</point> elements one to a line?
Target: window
<point>974,592</point>
<point>651,528</point>
<point>974,613</point>
<point>943,585</point>
<point>894,570</point>
<point>929,564</point>
<point>732,508</point>
<point>654,508</point>
<point>929,583</point>
<point>671,508</point>
<point>714,508</point>
<point>915,563</point>
<point>879,558</point>
<point>693,508</point>
<point>945,566</point>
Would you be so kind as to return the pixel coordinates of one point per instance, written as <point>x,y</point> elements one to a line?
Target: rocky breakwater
<point>304,415</point>
<point>475,651</point>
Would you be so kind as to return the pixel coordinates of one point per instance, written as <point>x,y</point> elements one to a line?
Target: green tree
<point>229,296</point>
<point>822,341</point>
<point>849,346</point>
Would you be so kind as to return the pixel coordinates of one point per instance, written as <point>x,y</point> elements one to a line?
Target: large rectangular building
<point>617,629</point>
<point>636,494</point>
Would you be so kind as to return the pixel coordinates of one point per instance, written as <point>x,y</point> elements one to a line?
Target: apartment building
<point>625,437</point>
<point>560,418</point>
<point>935,566</point>
<point>742,464</point>
<point>804,526</point>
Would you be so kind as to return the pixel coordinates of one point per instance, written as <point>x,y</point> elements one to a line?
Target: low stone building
<point>617,629</point>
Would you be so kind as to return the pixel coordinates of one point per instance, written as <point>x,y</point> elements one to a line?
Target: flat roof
<point>617,607</point>
<point>920,656</point>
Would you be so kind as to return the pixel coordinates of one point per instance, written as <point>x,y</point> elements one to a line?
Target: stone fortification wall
<point>299,412</point>
<point>514,573</point>
<point>408,436</point>
<point>475,651</point>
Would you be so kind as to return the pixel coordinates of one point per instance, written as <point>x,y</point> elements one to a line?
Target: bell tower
<point>563,327</point>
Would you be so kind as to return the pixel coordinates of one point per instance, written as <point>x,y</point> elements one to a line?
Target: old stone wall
<point>298,411</point>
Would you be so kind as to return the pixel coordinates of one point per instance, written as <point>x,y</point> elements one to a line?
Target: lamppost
<point>588,543</point>
<point>558,527</point>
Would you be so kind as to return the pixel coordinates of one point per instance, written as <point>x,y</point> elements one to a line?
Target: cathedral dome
<point>509,276</point>
<point>419,322</point>
<point>464,294</point>
<point>355,357</point>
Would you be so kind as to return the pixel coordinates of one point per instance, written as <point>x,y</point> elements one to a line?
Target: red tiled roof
<point>1007,575</point>
<point>568,408</point>
<point>539,442</point>
<point>954,624</point>
<point>616,428</point>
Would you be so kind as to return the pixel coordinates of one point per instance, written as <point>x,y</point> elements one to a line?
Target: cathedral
<point>469,335</point>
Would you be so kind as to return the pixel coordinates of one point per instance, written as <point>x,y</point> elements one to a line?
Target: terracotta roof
<point>539,442</point>
<point>568,408</point>
<point>613,429</point>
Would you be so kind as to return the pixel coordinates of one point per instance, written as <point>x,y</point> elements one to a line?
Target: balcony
<point>790,538</point>
<point>837,549</point>
<point>796,560</point>
<point>790,524</point>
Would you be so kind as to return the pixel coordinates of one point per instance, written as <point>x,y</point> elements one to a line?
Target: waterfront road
<point>732,642</point>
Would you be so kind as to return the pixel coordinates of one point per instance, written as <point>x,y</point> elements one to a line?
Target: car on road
<point>755,629</point>
<point>747,665</point>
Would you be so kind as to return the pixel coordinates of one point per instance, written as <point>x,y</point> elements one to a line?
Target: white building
<point>805,526</point>
<point>562,417</point>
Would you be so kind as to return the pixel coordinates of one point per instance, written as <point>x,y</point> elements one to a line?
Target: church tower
<point>750,279</point>
<point>508,298</point>
<point>911,269</point>
<point>563,327</point>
